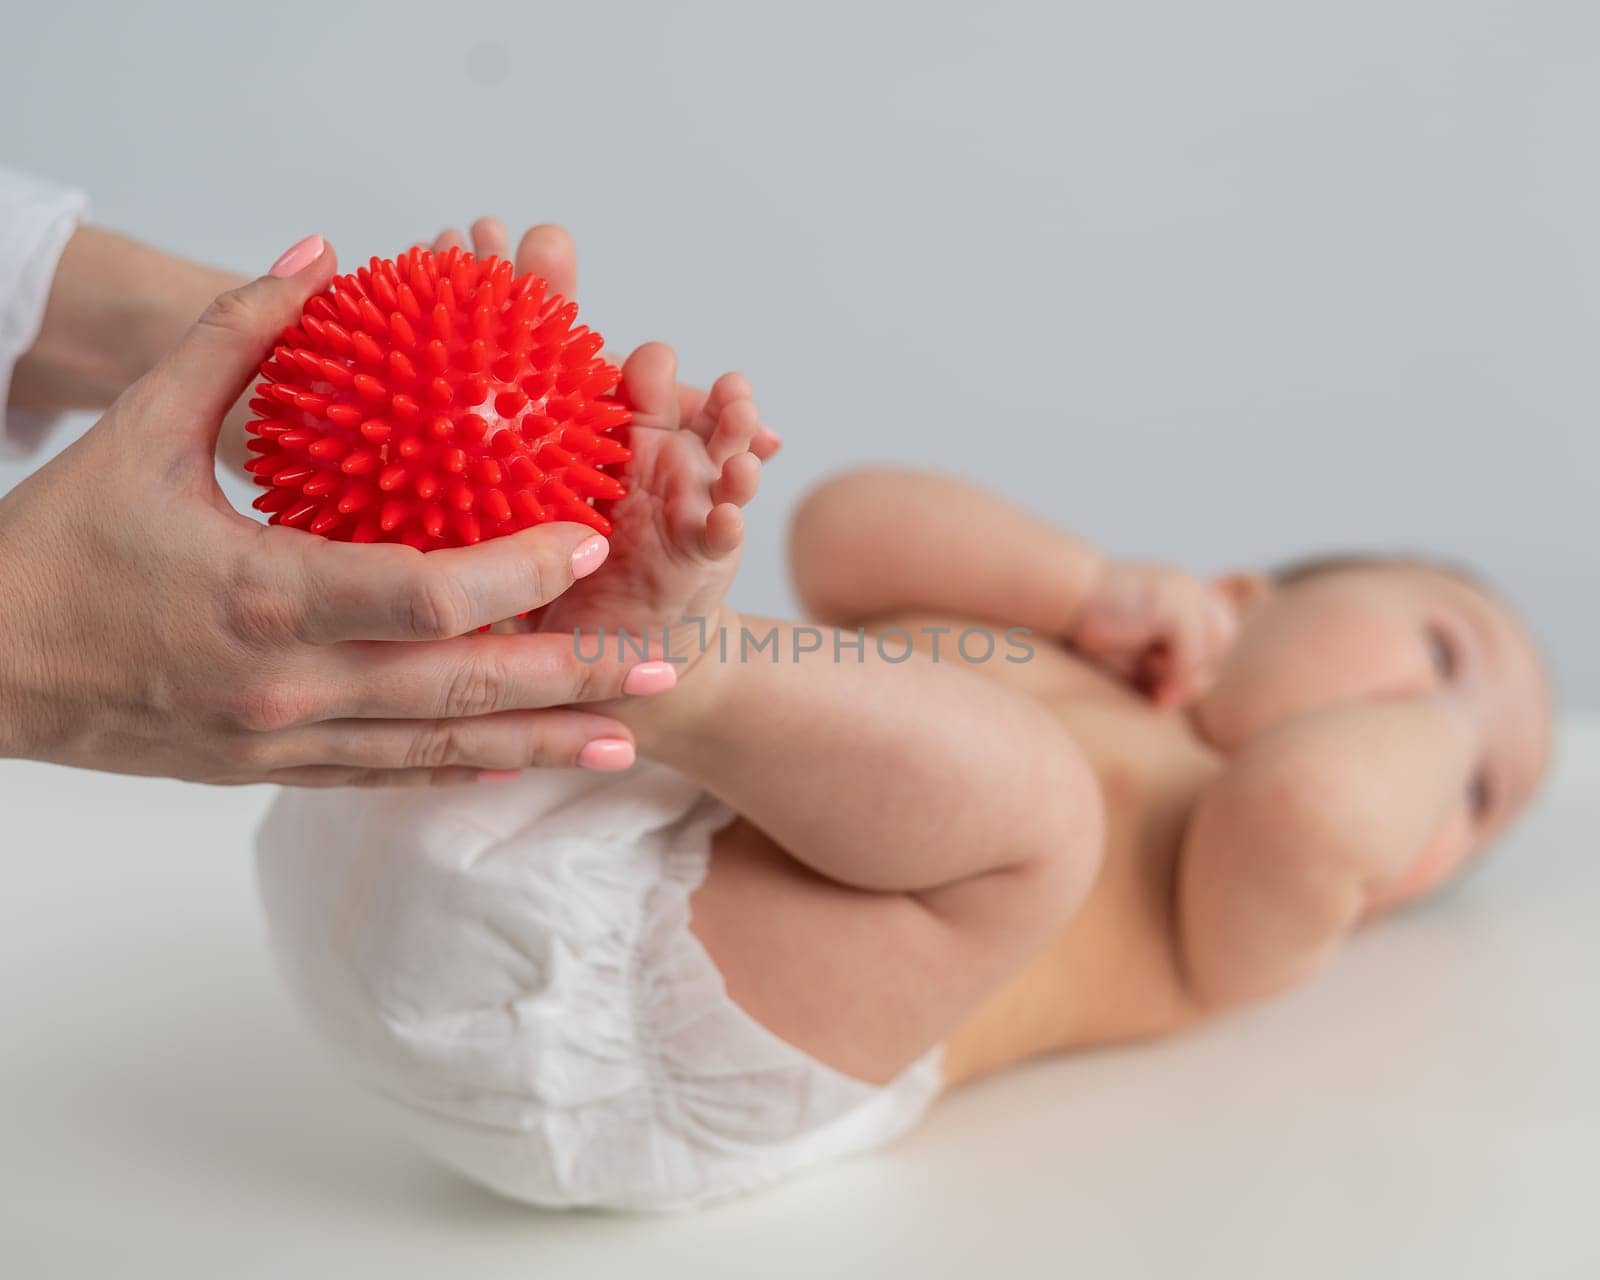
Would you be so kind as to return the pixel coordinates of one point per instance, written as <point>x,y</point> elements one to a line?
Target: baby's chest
<point>1151,770</point>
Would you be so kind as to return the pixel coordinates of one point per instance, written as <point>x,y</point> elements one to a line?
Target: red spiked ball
<point>436,400</point>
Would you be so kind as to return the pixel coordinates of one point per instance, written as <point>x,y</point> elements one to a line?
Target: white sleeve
<point>37,218</point>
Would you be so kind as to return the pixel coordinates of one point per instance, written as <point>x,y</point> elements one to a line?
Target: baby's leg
<point>912,835</point>
<point>678,534</point>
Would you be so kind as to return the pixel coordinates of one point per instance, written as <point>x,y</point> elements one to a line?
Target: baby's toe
<point>724,530</point>
<point>650,383</point>
<point>740,478</point>
<point>727,389</point>
<point>736,428</point>
<point>766,443</point>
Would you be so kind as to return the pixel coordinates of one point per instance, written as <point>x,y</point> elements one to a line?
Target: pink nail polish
<point>499,775</point>
<point>650,677</point>
<point>589,556</point>
<point>300,254</point>
<point>607,754</point>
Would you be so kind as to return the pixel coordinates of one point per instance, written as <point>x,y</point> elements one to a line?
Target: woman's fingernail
<point>499,775</point>
<point>296,256</point>
<point>607,754</point>
<point>589,556</point>
<point>650,677</point>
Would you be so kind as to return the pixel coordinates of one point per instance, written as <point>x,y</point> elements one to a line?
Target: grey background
<point>1215,283</point>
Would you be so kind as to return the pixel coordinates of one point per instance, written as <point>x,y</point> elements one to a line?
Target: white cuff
<point>37,218</point>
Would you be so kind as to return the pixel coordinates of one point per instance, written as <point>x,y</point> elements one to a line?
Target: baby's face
<point>1400,631</point>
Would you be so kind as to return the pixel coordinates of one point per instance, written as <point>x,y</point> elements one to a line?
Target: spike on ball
<point>437,400</point>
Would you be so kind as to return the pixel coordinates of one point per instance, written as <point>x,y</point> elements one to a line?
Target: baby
<point>1001,796</point>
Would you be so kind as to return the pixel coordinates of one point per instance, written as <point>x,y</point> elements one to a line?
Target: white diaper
<point>511,966</point>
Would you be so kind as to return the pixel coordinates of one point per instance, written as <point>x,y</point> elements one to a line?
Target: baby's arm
<point>1285,849</point>
<point>880,541</point>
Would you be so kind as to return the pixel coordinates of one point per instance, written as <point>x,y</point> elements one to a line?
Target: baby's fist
<point>1163,630</point>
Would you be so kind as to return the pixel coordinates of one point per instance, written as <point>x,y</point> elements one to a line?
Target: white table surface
<point>1428,1108</point>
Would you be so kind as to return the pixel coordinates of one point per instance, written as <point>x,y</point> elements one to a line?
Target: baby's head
<point>1366,627</point>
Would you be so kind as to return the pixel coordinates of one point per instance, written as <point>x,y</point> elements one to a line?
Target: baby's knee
<point>1072,835</point>
<point>1051,873</point>
<point>822,510</point>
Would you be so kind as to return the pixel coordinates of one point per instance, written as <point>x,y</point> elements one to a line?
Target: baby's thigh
<point>864,982</point>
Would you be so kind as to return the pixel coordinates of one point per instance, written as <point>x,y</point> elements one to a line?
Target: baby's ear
<point>1243,591</point>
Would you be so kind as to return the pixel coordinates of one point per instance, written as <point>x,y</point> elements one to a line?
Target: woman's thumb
<point>223,349</point>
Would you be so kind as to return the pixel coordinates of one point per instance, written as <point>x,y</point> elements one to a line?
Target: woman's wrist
<point>116,306</point>
<point>14,604</point>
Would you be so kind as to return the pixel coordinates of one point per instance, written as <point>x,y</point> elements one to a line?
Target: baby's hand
<point>1163,630</point>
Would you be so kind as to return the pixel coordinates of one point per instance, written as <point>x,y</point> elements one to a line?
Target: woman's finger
<point>197,382</point>
<point>328,775</point>
<point>548,252</point>
<point>557,739</point>
<point>489,238</point>
<point>335,591</point>
<point>482,674</point>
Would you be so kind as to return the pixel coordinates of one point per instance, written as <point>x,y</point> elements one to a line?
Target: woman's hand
<point>1163,630</point>
<point>146,627</point>
<point>548,252</point>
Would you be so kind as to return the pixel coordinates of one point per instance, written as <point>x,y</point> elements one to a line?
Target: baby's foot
<point>677,536</point>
